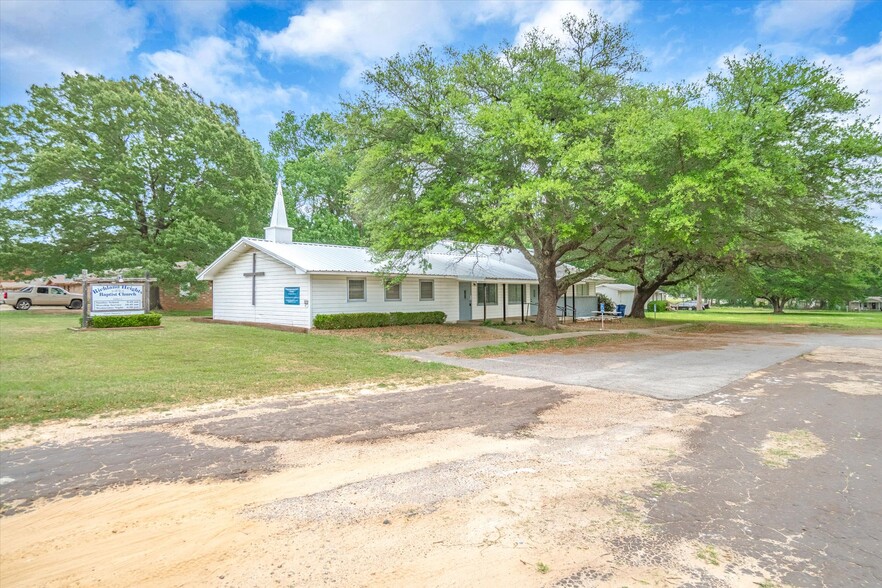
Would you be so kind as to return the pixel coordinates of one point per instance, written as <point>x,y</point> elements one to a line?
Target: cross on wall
<point>253,274</point>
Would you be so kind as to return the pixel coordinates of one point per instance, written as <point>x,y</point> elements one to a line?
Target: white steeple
<point>278,231</point>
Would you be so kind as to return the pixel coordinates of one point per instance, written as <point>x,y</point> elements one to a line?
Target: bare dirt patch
<point>858,356</point>
<point>780,448</point>
<point>441,506</point>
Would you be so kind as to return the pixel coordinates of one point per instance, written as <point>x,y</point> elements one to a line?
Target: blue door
<point>465,301</point>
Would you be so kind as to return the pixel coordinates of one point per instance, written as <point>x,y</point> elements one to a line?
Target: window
<point>356,291</point>
<point>583,290</point>
<point>42,290</point>
<point>28,289</point>
<point>393,292</point>
<point>490,290</point>
<point>57,291</point>
<point>514,293</point>
<point>427,290</point>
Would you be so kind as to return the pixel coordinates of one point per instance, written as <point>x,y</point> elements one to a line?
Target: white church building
<point>277,281</point>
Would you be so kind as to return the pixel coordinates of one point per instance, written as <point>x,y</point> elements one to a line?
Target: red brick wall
<point>170,300</point>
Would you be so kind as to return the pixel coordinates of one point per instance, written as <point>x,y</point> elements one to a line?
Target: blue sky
<point>268,57</point>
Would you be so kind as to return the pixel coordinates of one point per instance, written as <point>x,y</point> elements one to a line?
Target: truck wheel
<point>74,304</point>
<point>23,304</point>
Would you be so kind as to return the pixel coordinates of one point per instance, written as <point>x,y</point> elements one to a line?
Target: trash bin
<point>620,310</point>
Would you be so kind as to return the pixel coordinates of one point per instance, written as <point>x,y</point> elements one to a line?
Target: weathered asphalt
<point>51,470</point>
<point>817,522</point>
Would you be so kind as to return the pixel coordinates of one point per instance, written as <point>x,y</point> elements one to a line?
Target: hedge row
<point>657,306</point>
<point>130,320</point>
<point>362,320</point>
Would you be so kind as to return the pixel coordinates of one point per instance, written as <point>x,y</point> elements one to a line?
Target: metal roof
<point>482,262</point>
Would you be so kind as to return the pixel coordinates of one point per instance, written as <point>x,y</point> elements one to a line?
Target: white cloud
<point>191,17</point>
<point>862,70</point>
<point>358,34</point>
<point>664,55</point>
<point>223,71</point>
<point>797,18</point>
<point>549,15</point>
<point>40,40</point>
<point>355,33</point>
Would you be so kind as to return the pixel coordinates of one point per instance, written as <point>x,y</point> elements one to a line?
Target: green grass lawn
<point>571,344</point>
<point>49,372</point>
<point>790,318</point>
<point>565,326</point>
<point>410,338</point>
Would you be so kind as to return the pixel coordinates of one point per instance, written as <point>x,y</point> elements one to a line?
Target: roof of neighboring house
<point>482,262</point>
<point>626,288</point>
<point>12,285</point>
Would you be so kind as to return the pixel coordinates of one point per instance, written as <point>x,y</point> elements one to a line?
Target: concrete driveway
<point>671,369</point>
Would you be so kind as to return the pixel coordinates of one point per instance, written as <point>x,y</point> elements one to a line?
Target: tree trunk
<point>641,297</point>
<point>777,304</point>
<point>155,302</point>
<point>546,316</point>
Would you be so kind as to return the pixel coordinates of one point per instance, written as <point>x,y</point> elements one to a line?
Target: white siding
<point>625,297</point>
<point>329,296</point>
<point>232,293</point>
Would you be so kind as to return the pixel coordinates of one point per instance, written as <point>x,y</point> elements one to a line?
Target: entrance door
<point>465,301</point>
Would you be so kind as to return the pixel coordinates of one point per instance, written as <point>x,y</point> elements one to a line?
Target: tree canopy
<point>507,146</point>
<point>317,164</point>
<point>142,173</point>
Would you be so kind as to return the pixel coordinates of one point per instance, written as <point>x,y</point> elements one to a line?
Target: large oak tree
<point>506,146</point>
<point>122,174</point>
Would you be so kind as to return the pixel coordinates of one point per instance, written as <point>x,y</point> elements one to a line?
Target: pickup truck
<point>41,296</point>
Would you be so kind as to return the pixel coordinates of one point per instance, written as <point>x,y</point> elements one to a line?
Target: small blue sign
<point>602,306</point>
<point>292,296</point>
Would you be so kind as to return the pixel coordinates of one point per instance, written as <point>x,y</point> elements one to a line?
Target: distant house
<point>11,285</point>
<point>868,303</point>
<point>69,284</point>
<point>624,294</point>
<point>277,281</point>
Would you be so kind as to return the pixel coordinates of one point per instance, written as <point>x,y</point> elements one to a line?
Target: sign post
<point>85,300</point>
<point>602,308</point>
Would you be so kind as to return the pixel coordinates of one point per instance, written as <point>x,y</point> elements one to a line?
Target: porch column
<point>522,304</point>
<point>504,303</point>
<point>574,303</point>
<point>565,304</point>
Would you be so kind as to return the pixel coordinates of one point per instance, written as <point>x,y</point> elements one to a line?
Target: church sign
<point>292,295</point>
<point>116,299</point>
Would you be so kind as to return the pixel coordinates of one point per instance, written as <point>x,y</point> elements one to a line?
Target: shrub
<point>604,299</point>
<point>435,317</point>
<point>150,319</point>
<point>361,320</point>
<point>657,306</point>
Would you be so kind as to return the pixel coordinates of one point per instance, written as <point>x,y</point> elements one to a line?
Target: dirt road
<point>499,480</point>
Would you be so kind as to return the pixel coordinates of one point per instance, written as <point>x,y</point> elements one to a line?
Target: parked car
<point>690,305</point>
<point>42,296</point>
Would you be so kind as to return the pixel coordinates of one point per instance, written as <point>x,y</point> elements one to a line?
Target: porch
<point>512,301</point>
